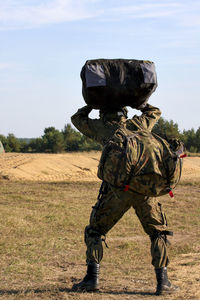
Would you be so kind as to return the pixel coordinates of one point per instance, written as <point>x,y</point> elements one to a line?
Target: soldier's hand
<point>143,105</point>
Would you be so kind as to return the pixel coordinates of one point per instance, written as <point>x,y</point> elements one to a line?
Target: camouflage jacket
<point>101,131</point>
<point>150,165</point>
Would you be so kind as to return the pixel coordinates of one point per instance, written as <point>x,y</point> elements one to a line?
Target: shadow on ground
<point>69,290</point>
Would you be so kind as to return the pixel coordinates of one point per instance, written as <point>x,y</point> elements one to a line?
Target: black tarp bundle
<point>114,83</point>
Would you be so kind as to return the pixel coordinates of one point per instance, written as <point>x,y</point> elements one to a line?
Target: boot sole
<point>84,289</point>
<point>167,292</point>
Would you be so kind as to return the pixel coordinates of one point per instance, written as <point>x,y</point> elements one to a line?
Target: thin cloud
<point>15,14</point>
<point>148,10</point>
<point>183,12</point>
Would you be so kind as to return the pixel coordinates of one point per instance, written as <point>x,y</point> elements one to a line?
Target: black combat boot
<point>90,281</point>
<point>164,286</point>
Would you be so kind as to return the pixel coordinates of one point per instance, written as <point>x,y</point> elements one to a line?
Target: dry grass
<point>43,253</point>
<point>43,215</point>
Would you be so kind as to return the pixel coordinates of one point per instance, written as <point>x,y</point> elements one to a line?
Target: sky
<point>45,43</point>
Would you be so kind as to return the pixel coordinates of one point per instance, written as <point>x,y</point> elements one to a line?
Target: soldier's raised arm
<point>92,128</point>
<point>150,115</point>
<point>81,120</point>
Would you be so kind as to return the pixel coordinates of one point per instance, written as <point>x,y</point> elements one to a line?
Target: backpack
<point>140,161</point>
<point>115,83</point>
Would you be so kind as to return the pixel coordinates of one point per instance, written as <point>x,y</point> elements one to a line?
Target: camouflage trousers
<point>111,205</point>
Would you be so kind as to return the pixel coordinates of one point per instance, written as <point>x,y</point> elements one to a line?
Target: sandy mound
<point>67,166</point>
<point>191,169</point>
<point>49,167</point>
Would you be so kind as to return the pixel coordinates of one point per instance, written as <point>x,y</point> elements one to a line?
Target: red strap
<point>183,155</point>
<point>126,188</point>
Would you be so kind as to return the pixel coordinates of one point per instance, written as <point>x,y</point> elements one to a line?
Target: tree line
<point>52,141</point>
<point>69,139</point>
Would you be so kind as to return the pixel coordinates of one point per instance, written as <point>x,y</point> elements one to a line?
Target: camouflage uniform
<point>112,202</point>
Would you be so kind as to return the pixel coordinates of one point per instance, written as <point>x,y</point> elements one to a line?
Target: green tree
<point>189,138</point>
<point>166,129</point>
<point>11,143</point>
<point>75,141</point>
<point>3,139</point>
<point>35,145</point>
<point>72,138</point>
<point>198,139</point>
<point>53,140</point>
<point>88,144</point>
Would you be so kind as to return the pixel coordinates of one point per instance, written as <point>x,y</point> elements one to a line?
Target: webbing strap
<point>158,234</point>
<point>166,232</point>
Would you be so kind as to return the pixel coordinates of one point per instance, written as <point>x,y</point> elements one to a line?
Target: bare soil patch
<point>67,167</point>
<point>49,167</point>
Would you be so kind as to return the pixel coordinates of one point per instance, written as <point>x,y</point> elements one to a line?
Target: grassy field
<point>43,253</point>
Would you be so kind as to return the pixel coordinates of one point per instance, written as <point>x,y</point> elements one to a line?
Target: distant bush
<point>190,154</point>
<point>11,143</point>
<point>169,129</point>
<point>69,139</point>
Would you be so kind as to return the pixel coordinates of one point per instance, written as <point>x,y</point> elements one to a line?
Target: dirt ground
<point>184,268</point>
<point>67,167</point>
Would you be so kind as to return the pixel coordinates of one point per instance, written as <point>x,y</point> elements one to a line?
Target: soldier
<point>113,202</point>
